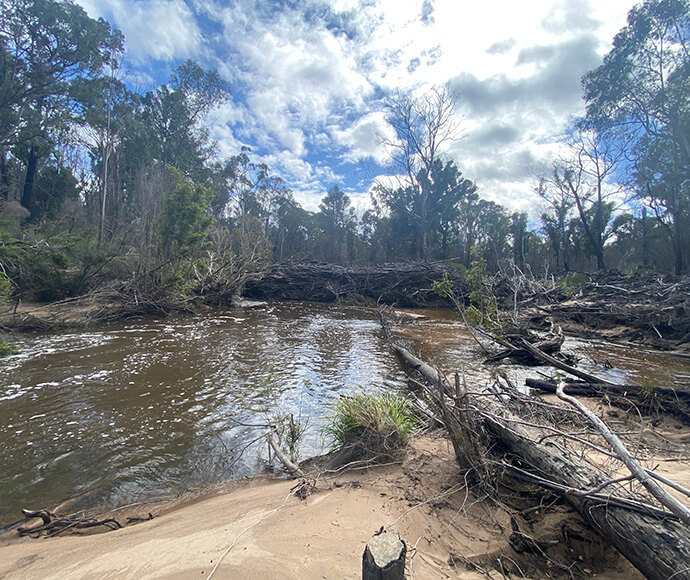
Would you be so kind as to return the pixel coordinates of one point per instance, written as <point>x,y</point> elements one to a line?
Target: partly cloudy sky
<point>309,78</point>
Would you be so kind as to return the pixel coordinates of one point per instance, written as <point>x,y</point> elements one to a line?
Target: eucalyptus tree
<point>520,235</point>
<point>175,113</point>
<point>448,190</point>
<point>422,126</point>
<point>45,45</point>
<point>108,112</point>
<point>640,96</point>
<point>337,221</point>
<point>556,218</point>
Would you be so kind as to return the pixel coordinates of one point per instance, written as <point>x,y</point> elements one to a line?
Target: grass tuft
<point>370,427</point>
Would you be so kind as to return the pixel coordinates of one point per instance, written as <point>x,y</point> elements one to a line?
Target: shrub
<point>370,426</point>
<point>6,348</point>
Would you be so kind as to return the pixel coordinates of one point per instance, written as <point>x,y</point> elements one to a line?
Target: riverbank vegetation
<point>370,427</point>
<point>107,189</point>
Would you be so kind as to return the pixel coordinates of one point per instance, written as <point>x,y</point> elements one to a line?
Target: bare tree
<point>422,125</point>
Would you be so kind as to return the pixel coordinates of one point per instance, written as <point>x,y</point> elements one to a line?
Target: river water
<point>147,409</point>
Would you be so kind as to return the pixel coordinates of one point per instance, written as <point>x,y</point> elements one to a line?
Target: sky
<point>309,79</point>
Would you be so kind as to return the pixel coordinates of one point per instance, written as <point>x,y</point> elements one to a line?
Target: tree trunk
<point>655,399</point>
<point>596,245</point>
<point>645,238</point>
<point>104,193</point>
<point>384,557</point>
<point>566,258</point>
<point>31,166</point>
<point>658,546</point>
<point>4,176</point>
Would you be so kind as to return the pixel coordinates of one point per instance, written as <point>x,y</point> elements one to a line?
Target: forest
<point>103,187</point>
<point>117,203</point>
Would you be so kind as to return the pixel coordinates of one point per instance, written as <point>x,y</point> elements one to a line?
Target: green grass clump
<point>7,349</point>
<point>370,427</point>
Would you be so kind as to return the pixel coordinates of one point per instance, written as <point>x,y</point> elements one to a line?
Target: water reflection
<point>147,409</point>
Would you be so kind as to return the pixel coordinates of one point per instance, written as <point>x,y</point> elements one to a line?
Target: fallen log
<point>662,496</point>
<point>675,402</point>
<point>561,365</point>
<point>657,545</point>
<point>550,345</point>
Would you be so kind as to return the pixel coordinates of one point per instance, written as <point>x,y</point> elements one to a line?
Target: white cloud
<point>309,77</point>
<point>364,138</point>
<point>162,30</point>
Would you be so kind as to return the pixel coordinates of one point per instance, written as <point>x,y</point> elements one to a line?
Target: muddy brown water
<point>148,409</point>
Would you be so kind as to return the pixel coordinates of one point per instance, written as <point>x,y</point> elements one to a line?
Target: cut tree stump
<point>384,557</point>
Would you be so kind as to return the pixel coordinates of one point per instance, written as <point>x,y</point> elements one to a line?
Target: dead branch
<point>672,401</point>
<point>625,456</point>
<point>284,459</point>
<point>561,365</point>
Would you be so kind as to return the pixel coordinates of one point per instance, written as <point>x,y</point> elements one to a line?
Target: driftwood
<point>284,459</point>
<point>675,402</point>
<point>550,345</point>
<point>53,525</point>
<point>384,557</point>
<point>407,284</point>
<point>626,457</point>
<point>561,365</point>
<point>655,542</point>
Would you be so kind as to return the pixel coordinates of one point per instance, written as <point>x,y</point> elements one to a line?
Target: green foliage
<point>5,288</point>
<point>7,349</point>
<point>482,299</point>
<point>50,265</point>
<point>443,287</point>
<point>370,426</point>
<point>186,216</point>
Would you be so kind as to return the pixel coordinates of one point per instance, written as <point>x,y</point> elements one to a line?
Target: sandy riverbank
<point>259,529</point>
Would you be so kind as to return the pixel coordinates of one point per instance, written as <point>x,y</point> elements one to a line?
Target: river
<point>150,408</point>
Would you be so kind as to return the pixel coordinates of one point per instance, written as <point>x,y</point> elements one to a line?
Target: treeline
<point>102,185</point>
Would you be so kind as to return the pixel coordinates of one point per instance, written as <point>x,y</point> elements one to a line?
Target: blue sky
<point>309,78</point>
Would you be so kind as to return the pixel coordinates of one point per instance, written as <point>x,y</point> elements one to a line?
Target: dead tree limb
<point>657,545</point>
<point>626,457</point>
<point>672,401</point>
<point>284,459</point>
<point>563,366</point>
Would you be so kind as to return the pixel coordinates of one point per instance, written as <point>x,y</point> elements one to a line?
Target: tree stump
<point>384,557</point>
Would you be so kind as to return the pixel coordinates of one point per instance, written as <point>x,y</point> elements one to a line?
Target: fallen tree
<point>651,538</point>
<point>674,402</point>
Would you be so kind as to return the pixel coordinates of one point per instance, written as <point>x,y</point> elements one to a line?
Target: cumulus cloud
<point>309,77</point>
<point>162,30</point>
<point>364,138</point>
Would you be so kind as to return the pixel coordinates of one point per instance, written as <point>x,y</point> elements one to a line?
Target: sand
<point>260,529</point>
